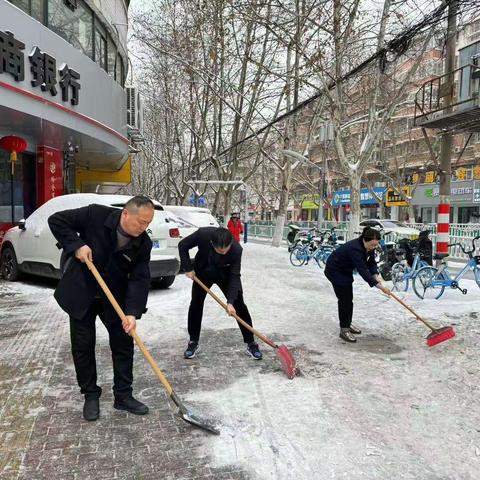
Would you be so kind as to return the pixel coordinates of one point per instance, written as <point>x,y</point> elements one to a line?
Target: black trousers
<point>344,294</point>
<point>195,311</point>
<point>83,338</point>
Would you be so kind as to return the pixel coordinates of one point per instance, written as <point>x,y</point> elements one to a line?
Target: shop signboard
<point>393,197</point>
<point>342,197</point>
<point>460,193</point>
<point>310,202</point>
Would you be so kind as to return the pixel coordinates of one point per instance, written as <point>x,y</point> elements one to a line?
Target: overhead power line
<point>398,45</point>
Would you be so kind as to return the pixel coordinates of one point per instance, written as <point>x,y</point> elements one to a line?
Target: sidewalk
<point>385,407</point>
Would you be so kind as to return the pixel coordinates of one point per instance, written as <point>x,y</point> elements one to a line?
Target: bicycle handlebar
<point>466,252</point>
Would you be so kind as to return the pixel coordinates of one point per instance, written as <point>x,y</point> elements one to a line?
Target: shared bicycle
<point>430,282</point>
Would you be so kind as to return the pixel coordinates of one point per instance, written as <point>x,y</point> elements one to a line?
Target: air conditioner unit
<point>134,109</point>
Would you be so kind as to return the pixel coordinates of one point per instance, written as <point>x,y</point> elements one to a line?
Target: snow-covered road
<point>386,407</point>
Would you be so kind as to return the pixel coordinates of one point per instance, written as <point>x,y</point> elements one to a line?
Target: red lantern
<point>14,145</point>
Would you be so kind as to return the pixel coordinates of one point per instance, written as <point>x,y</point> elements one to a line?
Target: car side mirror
<point>21,224</point>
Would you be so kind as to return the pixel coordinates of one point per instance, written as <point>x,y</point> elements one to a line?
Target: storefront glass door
<point>17,193</point>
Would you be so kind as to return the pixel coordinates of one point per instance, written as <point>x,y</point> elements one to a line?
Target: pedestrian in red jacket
<point>235,226</point>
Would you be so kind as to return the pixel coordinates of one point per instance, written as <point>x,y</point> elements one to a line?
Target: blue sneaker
<point>253,350</point>
<point>192,349</point>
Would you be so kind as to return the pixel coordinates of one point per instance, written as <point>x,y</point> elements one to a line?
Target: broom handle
<point>133,333</point>
<point>412,311</point>
<point>237,318</point>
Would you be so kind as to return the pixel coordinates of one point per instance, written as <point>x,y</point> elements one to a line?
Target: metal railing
<point>430,98</point>
<point>459,232</point>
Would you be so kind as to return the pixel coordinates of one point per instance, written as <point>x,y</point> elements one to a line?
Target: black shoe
<point>91,409</point>
<point>130,405</point>
<point>347,335</point>
<point>355,330</point>
<point>192,349</point>
<point>254,351</point>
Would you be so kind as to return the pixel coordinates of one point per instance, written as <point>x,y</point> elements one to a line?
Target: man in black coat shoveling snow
<point>117,242</point>
<point>218,260</point>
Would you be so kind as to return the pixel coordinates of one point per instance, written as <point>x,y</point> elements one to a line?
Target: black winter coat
<point>125,271</point>
<point>208,263</point>
<point>348,257</point>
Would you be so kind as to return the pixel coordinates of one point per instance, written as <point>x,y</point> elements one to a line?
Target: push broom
<point>183,411</point>
<point>283,353</point>
<point>438,335</point>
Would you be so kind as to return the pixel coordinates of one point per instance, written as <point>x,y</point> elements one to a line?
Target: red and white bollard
<point>443,227</point>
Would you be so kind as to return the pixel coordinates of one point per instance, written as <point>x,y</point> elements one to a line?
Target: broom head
<point>440,335</point>
<point>287,360</point>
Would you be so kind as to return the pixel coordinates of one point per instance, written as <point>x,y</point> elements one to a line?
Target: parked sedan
<point>394,226</point>
<point>31,248</point>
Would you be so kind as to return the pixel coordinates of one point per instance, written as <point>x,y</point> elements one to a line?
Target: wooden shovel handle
<point>133,333</point>
<point>237,318</point>
<point>409,308</point>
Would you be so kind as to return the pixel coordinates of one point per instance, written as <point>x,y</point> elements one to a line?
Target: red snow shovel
<point>283,353</point>
<point>183,411</point>
<point>438,335</point>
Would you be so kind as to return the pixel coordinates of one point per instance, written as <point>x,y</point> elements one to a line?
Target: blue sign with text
<point>342,197</point>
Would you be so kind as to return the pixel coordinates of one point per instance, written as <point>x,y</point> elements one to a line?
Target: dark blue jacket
<point>225,268</point>
<point>348,257</point>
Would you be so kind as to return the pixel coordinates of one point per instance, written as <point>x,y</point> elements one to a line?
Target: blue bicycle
<point>402,272</point>
<point>430,282</point>
<point>320,252</point>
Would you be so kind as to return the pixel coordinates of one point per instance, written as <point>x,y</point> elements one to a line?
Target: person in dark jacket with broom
<point>117,243</point>
<point>358,254</point>
<point>218,260</point>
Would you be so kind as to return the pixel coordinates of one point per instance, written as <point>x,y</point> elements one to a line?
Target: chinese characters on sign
<point>43,67</point>
<point>395,198</point>
<point>11,56</point>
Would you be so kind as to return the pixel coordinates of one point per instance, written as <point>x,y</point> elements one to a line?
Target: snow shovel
<point>183,411</point>
<point>282,352</point>
<point>438,335</point>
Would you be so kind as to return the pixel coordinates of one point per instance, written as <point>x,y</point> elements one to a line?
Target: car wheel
<point>9,266</point>
<point>164,282</point>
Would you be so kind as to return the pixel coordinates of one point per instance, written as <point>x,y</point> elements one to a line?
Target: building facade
<point>62,76</point>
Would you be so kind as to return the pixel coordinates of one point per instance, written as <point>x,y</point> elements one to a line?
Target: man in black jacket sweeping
<point>116,241</point>
<point>218,260</point>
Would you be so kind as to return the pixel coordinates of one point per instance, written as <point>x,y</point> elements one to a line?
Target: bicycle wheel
<point>322,256</point>
<point>298,256</point>
<point>399,277</point>
<point>422,283</point>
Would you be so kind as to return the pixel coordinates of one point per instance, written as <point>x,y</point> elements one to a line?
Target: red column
<point>49,173</point>
<point>443,226</point>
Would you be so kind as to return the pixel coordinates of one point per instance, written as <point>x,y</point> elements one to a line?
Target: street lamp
<point>302,159</point>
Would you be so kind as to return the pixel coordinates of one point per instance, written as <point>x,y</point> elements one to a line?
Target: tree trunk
<point>282,211</point>
<point>355,211</point>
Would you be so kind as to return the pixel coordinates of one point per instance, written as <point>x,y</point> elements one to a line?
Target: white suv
<point>190,219</point>
<point>31,248</point>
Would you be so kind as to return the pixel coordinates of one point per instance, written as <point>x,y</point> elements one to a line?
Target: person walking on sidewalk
<point>117,242</point>
<point>218,261</point>
<point>235,226</point>
<point>358,254</point>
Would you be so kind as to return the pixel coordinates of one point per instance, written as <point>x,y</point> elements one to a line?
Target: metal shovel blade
<point>287,360</point>
<point>192,418</point>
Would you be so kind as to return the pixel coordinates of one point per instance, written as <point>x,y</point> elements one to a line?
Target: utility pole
<point>443,220</point>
